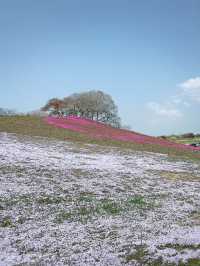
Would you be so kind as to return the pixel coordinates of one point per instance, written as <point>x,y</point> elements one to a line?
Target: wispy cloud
<point>191,88</point>
<point>173,108</point>
<point>165,110</point>
<point>179,100</point>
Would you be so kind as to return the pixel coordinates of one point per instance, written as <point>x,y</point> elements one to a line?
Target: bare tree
<point>95,105</point>
<point>54,106</point>
<point>70,104</point>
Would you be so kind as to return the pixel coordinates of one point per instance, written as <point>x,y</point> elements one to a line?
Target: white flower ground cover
<point>66,204</point>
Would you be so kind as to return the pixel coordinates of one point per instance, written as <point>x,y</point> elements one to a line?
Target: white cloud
<point>193,83</point>
<point>164,110</point>
<point>186,104</point>
<point>176,100</point>
<point>179,100</point>
<point>172,108</point>
<point>191,88</point>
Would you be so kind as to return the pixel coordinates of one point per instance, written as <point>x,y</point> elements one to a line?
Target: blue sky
<point>144,53</point>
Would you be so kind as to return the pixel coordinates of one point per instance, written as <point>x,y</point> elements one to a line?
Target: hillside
<point>101,131</point>
<point>83,131</point>
<point>184,140</point>
<point>77,192</point>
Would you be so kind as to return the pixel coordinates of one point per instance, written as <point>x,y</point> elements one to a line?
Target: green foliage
<point>6,222</point>
<point>139,255</point>
<point>193,262</point>
<point>62,216</point>
<point>88,206</point>
<point>187,138</point>
<point>111,208</point>
<point>50,200</point>
<point>179,247</point>
<point>137,200</point>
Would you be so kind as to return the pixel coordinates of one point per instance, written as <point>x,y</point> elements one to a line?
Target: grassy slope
<point>184,140</point>
<point>34,126</point>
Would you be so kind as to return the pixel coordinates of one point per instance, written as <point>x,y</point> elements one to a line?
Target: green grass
<point>62,216</point>
<point>86,198</point>
<point>139,255</point>
<point>35,126</point>
<point>110,207</point>
<point>26,200</point>
<point>179,247</point>
<point>46,200</point>
<point>183,140</point>
<point>89,206</point>
<point>137,200</point>
<point>6,222</point>
<point>193,262</point>
<point>86,205</point>
<point>9,202</point>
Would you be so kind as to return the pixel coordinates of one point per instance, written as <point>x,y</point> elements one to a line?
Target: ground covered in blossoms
<point>80,204</point>
<point>97,130</point>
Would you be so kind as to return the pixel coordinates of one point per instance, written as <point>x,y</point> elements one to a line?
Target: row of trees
<point>95,105</point>
<point>7,112</point>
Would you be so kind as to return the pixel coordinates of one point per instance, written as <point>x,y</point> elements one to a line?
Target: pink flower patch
<point>101,131</point>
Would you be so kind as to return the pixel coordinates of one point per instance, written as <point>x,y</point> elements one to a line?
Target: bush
<point>188,135</point>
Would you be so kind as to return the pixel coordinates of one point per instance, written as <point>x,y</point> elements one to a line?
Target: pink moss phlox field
<point>101,131</point>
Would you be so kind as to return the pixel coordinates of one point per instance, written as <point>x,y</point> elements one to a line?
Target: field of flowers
<point>64,203</point>
<point>86,131</point>
<point>101,131</point>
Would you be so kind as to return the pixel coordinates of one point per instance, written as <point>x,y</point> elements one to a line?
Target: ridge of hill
<point>102,131</point>
<point>85,131</point>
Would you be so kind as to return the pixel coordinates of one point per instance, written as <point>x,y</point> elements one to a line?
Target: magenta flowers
<point>99,130</point>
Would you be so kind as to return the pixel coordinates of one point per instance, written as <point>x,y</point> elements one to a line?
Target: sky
<point>146,54</point>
